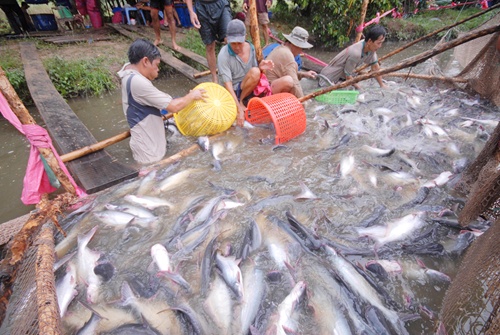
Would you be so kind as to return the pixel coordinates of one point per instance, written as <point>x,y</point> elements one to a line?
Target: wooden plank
<point>76,39</point>
<point>186,52</point>
<point>94,172</point>
<point>167,58</point>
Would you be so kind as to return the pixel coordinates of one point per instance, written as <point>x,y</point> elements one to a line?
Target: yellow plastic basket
<point>338,97</point>
<point>212,116</point>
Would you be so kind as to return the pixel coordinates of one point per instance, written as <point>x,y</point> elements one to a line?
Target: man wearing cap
<point>211,18</point>
<point>285,76</point>
<point>238,70</point>
<point>342,67</point>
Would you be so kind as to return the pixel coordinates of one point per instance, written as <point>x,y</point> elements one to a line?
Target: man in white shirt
<point>142,102</point>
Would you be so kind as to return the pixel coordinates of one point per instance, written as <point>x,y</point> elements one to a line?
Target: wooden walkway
<point>93,172</point>
<point>134,32</point>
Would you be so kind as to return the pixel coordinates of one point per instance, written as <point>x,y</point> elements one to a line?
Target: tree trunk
<point>254,29</point>
<point>364,8</point>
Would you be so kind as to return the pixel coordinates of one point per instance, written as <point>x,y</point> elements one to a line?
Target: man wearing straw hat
<point>342,66</point>
<point>285,76</point>
<point>238,69</point>
<point>142,102</point>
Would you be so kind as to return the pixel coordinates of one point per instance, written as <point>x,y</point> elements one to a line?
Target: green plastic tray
<point>338,97</point>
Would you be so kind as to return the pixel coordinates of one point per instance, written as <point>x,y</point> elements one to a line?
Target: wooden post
<point>24,116</point>
<point>254,29</point>
<point>364,8</point>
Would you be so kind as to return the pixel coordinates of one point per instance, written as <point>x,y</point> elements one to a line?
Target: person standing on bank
<point>238,70</point>
<point>262,16</point>
<point>285,76</point>
<point>15,16</point>
<point>142,102</point>
<point>168,7</point>
<point>211,19</point>
<point>342,67</point>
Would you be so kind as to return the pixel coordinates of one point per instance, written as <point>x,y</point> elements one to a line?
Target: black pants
<point>16,18</point>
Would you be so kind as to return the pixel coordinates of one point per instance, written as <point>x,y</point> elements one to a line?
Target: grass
<point>80,77</point>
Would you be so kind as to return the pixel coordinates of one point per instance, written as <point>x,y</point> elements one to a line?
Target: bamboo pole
<point>364,8</point>
<point>100,145</point>
<point>201,74</point>
<point>254,29</point>
<point>24,116</point>
<point>427,77</point>
<point>406,46</point>
<point>181,154</point>
<point>412,61</point>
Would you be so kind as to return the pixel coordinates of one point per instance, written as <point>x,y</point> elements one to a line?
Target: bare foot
<point>175,46</point>
<point>157,42</point>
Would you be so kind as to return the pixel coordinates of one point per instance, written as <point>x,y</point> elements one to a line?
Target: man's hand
<point>199,94</point>
<point>245,7</point>
<point>267,64</point>
<point>240,117</point>
<point>310,74</point>
<point>194,20</point>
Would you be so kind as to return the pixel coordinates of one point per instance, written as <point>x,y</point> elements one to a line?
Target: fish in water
<point>377,152</point>
<point>204,143</point>
<point>396,230</point>
<point>177,179</point>
<point>440,180</point>
<point>280,323</point>
<point>147,202</point>
<point>305,193</point>
<point>231,273</point>
<point>87,261</point>
<point>66,289</point>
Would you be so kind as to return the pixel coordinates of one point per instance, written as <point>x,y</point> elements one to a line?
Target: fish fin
<point>87,306</point>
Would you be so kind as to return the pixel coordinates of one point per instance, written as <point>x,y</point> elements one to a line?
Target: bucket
<point>284,110</point>
<point>95,19</point>
<point>183,13</point>
<point>44,22</point>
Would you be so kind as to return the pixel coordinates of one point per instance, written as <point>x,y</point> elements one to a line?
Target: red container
<point>95,19</point>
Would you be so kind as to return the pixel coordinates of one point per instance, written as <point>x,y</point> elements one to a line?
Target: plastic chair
<point>127,11</point>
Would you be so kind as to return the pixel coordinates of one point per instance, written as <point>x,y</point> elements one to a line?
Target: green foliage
<point>193,42</point>
<point>11,63</point>
<point>333,23</point>
<point>82,77</point>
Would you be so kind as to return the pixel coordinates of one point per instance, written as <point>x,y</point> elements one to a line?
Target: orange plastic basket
<point>284,110</point>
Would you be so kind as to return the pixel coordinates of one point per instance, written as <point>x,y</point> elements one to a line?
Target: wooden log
<point>406,46</point>
<point>24,239</point>
<point>24,116</point>
<point>364,8</point>
<point>427,77</point>
<point>100,145</point>
<point>254,29</point>
<point>412,61</point>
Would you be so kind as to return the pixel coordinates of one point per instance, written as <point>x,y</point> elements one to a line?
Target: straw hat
<point>299,37</point>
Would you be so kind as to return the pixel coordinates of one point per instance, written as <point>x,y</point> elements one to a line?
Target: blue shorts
<point>214,16</point>
<point>245,99</point>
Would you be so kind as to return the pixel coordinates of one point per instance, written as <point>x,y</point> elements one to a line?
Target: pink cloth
<point>36,182</point>
<point>263,88</point>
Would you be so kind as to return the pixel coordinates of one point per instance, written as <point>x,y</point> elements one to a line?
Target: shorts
<point>160,4</point>
<point>214,16</point>
<point>263,18</point>
<point>238,95</point>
